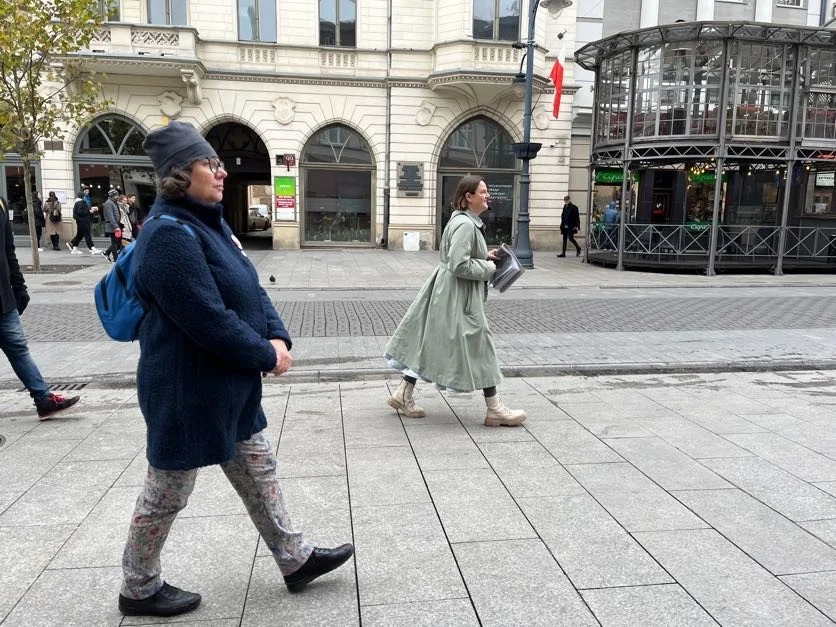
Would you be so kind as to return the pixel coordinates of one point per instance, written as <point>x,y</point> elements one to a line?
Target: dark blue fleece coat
<point>205,340</point>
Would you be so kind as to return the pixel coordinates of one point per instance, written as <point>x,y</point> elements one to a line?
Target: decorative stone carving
<point>283,110</point>
<point>170,104</point>
<point>541,118</point>
<point>192,81</point>
<point>155,38</point>
<point>425,113</point>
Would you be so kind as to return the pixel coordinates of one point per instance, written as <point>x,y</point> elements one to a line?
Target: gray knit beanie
<point>177,144</point>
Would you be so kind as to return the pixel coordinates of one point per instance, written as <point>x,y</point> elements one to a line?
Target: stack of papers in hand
<point>508,269</point>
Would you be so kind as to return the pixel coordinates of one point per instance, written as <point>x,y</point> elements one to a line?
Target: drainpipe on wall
<point>384,239</point>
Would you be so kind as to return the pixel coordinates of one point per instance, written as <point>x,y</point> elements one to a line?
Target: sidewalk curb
<point>123,381</point>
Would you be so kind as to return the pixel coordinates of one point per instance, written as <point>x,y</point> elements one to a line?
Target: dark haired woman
<point>444,337</point>
<point>204,344</point>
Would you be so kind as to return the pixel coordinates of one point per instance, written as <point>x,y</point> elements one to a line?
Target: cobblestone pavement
<point>623,500</point>
<point>70,323</point>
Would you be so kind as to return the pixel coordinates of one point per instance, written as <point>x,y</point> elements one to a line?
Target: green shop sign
<point>609,177</point>
<point>613,176</point>
<point>706,178</point>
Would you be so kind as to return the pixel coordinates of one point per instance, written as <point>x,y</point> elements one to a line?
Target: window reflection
<point>338,23</point>
<point>496,19</point>
<point>167,12</point>
<point>257,20</point>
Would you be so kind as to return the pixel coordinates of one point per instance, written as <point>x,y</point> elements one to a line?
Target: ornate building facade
<point>360,116</point>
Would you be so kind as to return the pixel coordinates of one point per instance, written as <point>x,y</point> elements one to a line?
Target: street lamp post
<point>527,150</point>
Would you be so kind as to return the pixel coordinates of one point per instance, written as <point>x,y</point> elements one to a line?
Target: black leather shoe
<point>563,255</point>
<point>320,562</point>
<point>167,601</point>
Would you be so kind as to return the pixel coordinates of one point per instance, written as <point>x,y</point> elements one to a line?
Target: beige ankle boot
<point>499,414</point>
<point>402,400</point>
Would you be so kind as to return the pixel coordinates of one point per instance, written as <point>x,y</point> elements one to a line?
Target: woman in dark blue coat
<point>209,335</point>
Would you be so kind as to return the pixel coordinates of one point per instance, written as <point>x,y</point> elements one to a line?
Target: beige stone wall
<point>241,82</point>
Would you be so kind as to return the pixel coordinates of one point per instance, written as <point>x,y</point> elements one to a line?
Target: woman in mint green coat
<point>444,338</point>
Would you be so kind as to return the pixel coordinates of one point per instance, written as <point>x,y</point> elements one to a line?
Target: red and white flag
<point>557,79</point>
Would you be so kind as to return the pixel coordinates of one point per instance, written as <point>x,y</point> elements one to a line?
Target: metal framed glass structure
<point>715,143</point>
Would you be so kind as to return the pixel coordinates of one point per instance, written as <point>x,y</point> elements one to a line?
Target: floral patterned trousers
<point>252,472</point>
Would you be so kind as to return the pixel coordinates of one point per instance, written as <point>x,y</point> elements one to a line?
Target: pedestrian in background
<point>205,342</point>
<point>14,298</point>
<point>125,225</point>
<point>444,336</point>
<point>40,220</point>
<point>83,212</point>
<point>111,217</point>
<point>570,223</point>
<point>133,213</point>
<point>54,226</point>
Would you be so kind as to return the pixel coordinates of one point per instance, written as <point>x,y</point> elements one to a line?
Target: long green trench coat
<point>444,336</point>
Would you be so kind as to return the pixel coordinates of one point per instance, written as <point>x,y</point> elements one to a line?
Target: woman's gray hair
<point>176,183</point>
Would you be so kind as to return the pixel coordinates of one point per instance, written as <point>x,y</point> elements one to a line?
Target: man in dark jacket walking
<point>570,223</point>
<point>83,214</point>
<point>14,297</point>
<point>112,219</point>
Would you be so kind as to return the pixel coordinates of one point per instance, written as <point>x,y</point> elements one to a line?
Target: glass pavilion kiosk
<point>715,142</point>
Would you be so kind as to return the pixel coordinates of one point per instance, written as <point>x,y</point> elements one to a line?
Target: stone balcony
<point>119,48</point>
<point>473,66</point>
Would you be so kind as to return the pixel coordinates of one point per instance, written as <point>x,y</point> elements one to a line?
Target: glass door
<point>11,183</point>
<point>498,219</point>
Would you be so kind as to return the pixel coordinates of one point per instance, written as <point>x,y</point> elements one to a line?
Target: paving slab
<point>330,600</point>
<point>571,443</point>
<point>528,469</point>
<point>63,597</point>
<point>817,588</point>
<point>441,613</point>
<point>519,582</point>
<point>728,584</point>
<point>774,541</point>
<point>632,499</point>
<point>403,556</point>
<point>666,465</point>
<point>782,491</point>
<point>825,530</point>
<point>666,605</point>
<point>385,476</point>
<point>24,553</point>
<point>590,546</point>
<point>474,506</point>
<point>798,460</point>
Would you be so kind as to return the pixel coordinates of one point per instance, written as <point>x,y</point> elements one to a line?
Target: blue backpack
<point>120,308</point>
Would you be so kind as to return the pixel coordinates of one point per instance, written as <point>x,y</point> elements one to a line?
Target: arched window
<point>338,202</point>
<point>480,143</point>
<point>337,144</point>
<point>108,155</point>
<point>112,136</point>
<point>480,146</point>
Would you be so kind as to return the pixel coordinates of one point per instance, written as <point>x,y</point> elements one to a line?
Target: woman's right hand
<point>283,357</point>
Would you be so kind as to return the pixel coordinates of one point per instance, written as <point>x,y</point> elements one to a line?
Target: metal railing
<point>735,242</point>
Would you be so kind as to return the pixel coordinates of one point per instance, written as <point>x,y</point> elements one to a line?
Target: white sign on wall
<point>825,179</point>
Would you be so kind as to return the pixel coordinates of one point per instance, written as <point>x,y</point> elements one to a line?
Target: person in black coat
<point>209,335</point>
<point>14,298</point>
<point>570,223</point>
<point>40,219</point>
<point>83,212</point>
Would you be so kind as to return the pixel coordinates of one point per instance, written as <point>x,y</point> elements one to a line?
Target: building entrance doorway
<point>247,186</point>
<point>480,146</point>
<point>11,188</point>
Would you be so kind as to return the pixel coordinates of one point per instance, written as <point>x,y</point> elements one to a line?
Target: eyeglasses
<point>215,164</point>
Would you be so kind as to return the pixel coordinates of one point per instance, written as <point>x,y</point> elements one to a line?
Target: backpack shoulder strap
<point>188,227</point>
